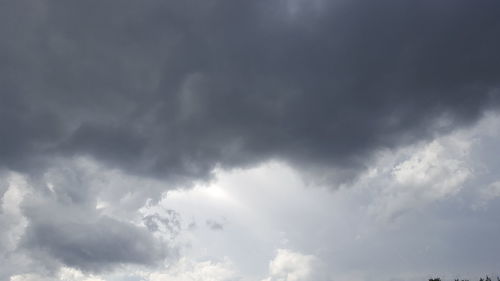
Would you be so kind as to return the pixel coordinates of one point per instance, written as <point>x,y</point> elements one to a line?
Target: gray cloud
<point>214,225</point>
<point>170,223</point>
<point>174,88</point>
<point>88,242</point>
<point>55,220</point>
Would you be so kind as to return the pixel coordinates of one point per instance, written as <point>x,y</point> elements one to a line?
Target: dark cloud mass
<point>173,88</point>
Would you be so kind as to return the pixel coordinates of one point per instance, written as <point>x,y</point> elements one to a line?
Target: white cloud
<point>491,191</point>
<point>420,175</point>
<point>186,270</point>
<point>12,222</point>
<point>293,266</point>
<point>70,274</point>
<point>64,274</point>
<point>411,178</point>
<point>438,167</point>
<point>28,277</point>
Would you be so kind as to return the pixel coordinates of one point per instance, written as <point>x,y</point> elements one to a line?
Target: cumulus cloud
<point>419,175</point>
<point>186,270</point>
<point>65,274</point>
<point>293,266</point>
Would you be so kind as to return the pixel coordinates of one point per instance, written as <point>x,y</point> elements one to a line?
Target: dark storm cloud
<point>173,88</point>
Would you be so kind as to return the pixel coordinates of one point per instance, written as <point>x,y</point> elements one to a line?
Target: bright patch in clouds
<point>292,266</point>
<point>340,227</point>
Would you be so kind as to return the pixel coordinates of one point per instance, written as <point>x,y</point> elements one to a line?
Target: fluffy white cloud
<point>186,270</point>
<point>12,221</point>
<point>419,175</point>
<point>65,274</point>
<point>293,266</point>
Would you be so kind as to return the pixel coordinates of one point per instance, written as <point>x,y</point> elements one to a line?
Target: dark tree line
<point>481,279</point>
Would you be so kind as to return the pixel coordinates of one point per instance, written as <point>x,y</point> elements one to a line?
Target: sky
<point>236,140</point>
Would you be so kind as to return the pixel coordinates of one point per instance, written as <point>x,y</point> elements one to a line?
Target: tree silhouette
<point>487,278</point>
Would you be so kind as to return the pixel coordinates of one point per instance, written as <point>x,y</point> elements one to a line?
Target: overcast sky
<point>238,140</point>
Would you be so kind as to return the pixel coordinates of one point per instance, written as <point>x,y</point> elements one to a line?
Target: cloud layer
<point>175,88</point>
<point>104,106</point>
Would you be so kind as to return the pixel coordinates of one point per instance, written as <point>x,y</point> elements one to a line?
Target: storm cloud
<point>175,88</point>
